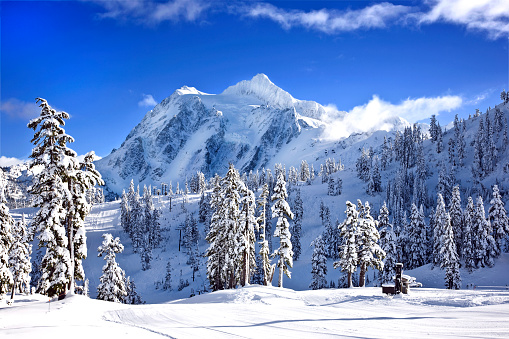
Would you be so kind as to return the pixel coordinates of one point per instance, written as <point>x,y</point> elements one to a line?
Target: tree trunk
<point>70,235</point>
<point>350,284</point>
<point>280,282</point>
<point>13,290</point>
<point>362,275</point>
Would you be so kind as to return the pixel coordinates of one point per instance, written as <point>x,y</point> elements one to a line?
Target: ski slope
<point>268,312</point>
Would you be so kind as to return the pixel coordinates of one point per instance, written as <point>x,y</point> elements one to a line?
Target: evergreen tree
<point>449,256</point>
<point>388,245</point>
<point>484,244</point>
<point>348,251</point>
<point>441,218</point>
<point>246,235</point>
<point>330,235</point>
<point>363,165</point>
<point>281,210</point>
<point>266,267</point>
<point>167,278</point>
<point>305,175</point>
<point>417,238</point>
<point>375,179</point>
<point>440,141</point>
<point>386,156</point>
<point>52,197</point>
<point>124,213</point>
<point>318,265</point>
<point>19,258</point>
<point>132,297</point>
<point>339,186</point>
<point>112,286</point>
<point>6,242</point>
<point>433,129</point>
<point>444,183</point>
<point>490,154</point>
<point>296,228</point>
<point>331,186</point>
<point>468,246</point>
<point>223,236</point>
<point>370,253</point>
<point>499,220</point>
<point>456,219</point>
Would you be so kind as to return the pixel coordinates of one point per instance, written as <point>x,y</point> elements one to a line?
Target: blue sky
<point>108,62</point>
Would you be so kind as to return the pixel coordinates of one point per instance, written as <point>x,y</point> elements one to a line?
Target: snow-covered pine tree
<point>478,170</point>
<point>440,140</point>
<point>388,245</point>
<point>370,252</point>
<point>448,255</point>
<point>318,265</point>
<point>348,251</point>
<point>19,258</point>
<point>167,277</point>
<point>339,186</point>
<point>484,244</point>
<point>125,218</point>
<point>459,141</point>
<point>386,156</point>
<point>440,219</point>
<point>112,286</point>
<point>416,239</point>
<point>456,214</point>
<point>499,220</point>
<point>79,181</point>
<point>52,197</point>
<point>266,267</point>
<point>433,128</point>
<point>363,165</point>
<point>444,183</point>
<point>152,227</point>
<point>132,297</point>
<point>6,241</point>
<point>137,224</point>
<point>223,236</point>
<point>331,186</point>
<point>296,228</point>
<point>468,246</point>
<point>375,179</point>
<point>305,175</point>
<point>247,223</point>
<point>281,211</point>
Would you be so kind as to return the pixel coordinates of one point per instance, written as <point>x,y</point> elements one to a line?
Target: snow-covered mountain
<point>252,124</point>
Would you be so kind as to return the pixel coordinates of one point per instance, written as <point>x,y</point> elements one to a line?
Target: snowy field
<point>269,312</point>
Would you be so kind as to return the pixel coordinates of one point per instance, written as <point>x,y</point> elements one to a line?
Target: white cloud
<point>151,12</point>
<point>491,16</point>
<point>331,21</point>
<point>475,100</point>
<point>147,101</point>
<point>6,162</point>
<point>378,114</point>
<point>20,109</point>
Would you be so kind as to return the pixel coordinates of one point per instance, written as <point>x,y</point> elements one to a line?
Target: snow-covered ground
<point>268,312</point>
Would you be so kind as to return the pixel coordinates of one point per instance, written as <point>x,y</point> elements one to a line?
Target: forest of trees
<point>244,216</point>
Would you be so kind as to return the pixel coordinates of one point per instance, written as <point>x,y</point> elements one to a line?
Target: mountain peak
<point>188,90</point>
<point>263,89</point>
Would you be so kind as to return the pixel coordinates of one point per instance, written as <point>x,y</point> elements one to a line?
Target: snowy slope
<point>258,312</point>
